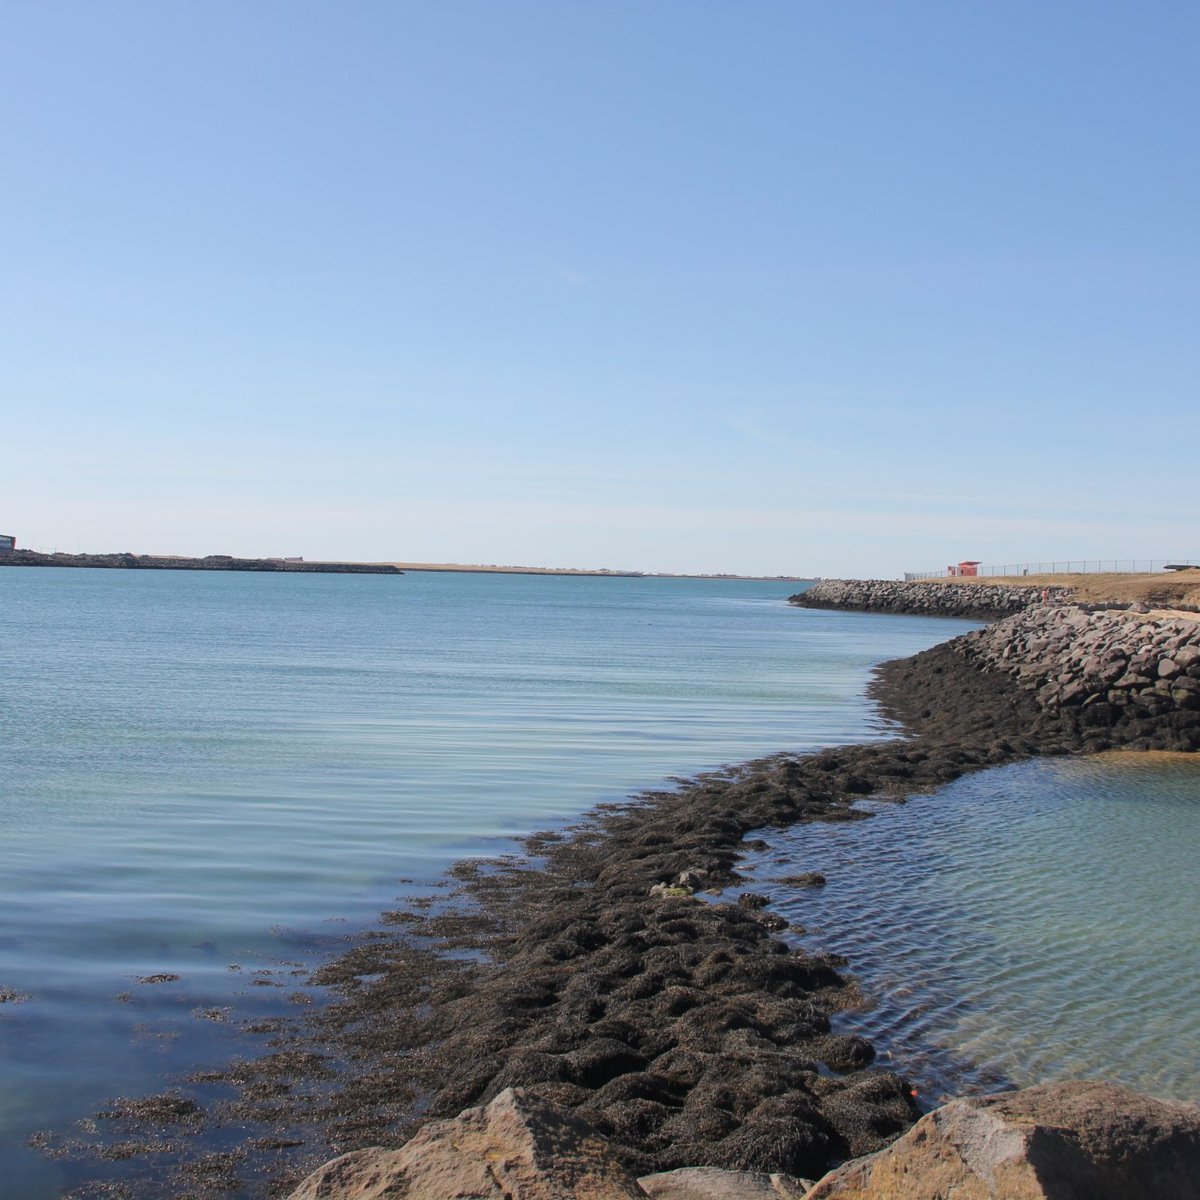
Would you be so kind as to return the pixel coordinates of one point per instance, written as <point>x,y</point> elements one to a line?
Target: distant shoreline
<point>225,562</point>
<point>213,562</point>
<point>597,572</point>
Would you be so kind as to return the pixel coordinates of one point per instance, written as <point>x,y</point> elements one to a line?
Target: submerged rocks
<point>925,598</point>
<point>806,879</point>
<point>1060,1141</point>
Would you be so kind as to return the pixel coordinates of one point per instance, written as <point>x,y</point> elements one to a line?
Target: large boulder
<point>520,1147</point>
<point>1060,1141</point>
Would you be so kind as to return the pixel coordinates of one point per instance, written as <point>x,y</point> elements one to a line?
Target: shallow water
<point>1032,922</point>
<point>208,771</point>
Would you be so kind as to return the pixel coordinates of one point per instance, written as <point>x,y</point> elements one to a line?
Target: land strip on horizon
<point>492,569</point>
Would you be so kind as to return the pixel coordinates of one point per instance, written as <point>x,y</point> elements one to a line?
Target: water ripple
<point>1032,922</point>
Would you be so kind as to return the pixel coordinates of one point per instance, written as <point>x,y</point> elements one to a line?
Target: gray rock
<point>1115,670</point>
<point>925,598</point>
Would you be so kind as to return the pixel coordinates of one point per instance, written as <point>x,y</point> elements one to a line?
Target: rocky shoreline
<point>598,974</point>
<point>213,562</point>
<point>975,601</point>
<point>926,599</point>
<point>1059,1141</point>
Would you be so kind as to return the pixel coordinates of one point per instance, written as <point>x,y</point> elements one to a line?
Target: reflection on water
<point>1032,922</point>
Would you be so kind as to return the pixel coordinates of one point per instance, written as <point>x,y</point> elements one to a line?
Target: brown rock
<point>1062,1141</point>
<point>360,1175</point>
<point>712,1183</point>
<point>520,1147</point>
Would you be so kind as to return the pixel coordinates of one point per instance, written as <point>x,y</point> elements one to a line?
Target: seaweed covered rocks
<point>674,1022</point>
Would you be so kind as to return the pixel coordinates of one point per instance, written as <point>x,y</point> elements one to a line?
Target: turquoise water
<point>1032,922</point>
<point>215,771</point>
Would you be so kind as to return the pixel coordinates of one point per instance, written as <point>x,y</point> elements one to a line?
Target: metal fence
<point>1098,566</point>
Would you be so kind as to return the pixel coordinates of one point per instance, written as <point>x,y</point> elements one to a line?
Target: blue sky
<point>762,287</point>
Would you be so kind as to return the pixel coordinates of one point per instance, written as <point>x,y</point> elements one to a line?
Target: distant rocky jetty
<point>978,601</point>
<point>213,562</point>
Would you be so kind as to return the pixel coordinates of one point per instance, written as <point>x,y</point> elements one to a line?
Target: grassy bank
<point>1162,589</point>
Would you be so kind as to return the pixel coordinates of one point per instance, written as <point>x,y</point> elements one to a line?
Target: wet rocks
<point>676,1025</point>
<point>1058,1141</point>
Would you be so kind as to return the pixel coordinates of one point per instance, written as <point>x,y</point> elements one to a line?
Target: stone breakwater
<point>979,601</point>
<point>1122,676</point>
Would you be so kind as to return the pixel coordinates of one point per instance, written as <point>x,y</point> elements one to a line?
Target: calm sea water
<point>215,771</point>
<point>212,776</point>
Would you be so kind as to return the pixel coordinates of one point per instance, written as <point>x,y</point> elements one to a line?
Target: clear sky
<point>752,286</point>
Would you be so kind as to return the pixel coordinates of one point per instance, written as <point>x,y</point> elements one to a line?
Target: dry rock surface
<point>710,1183</point>
<point>1064,1141</point>
<point>518,1147</point>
